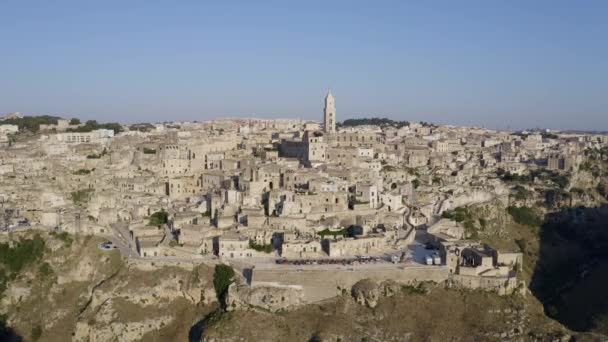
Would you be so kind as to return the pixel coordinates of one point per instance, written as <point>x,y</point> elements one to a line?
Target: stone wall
<point>501,285</point>
<point>269,297</point>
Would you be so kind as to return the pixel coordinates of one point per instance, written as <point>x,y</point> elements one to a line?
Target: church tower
<point>329,115</point>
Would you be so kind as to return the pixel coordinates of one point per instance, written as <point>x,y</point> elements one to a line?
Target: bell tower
<point>329,114</point>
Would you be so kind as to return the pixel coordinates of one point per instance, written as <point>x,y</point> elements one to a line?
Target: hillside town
<point>291,203</point>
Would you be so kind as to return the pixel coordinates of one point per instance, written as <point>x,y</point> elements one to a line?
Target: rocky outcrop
<point>367,292</point>
<point>267,297</point>
<point>87,294</point>
<point>119,331</point>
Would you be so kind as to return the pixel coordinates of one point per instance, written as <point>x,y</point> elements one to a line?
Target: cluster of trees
<point>559,180</point>
<point>596,153</point>
<point>545,135</point>
<point>374,121</point>
<point>32,123</point>
<point>142,127</point>
<point>92,125</point>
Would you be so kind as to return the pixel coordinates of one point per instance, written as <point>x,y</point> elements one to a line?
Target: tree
<point>75,121</point>
<point>159,218</point>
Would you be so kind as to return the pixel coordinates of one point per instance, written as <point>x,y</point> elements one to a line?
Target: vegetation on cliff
<point>16,256</point>
<point>525,215</point>
<point>222,278</point>
<point>82,196</point>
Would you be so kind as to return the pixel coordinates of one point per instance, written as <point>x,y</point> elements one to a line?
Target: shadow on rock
<point>571,274</point>
<point>7,334</point>
<point>197,330</point>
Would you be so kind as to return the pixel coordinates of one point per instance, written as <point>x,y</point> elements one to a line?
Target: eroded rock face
<point>272,298</point>
<point>121,331</point>
<point>366,292</point>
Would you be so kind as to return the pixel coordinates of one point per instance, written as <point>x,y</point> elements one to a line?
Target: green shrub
<point>149,150</point>
<point>63,236</point>
<point>416,183</point>
<point>45,270</point>
<point>416,290</point>
<point>521,193</point>
<point>355,201</point>
<point>82,172</point>
<point>459,214</point>
<point>586,166</point>
<point>81,196</point>
<point>266,248</point>
<point>36,333</point>
<point>97,156</point>
<point>334,233</point>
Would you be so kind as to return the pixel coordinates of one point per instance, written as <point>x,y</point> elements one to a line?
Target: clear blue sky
<point>492,63</point>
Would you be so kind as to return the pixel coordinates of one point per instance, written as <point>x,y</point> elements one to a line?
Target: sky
<point>500,64</point>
